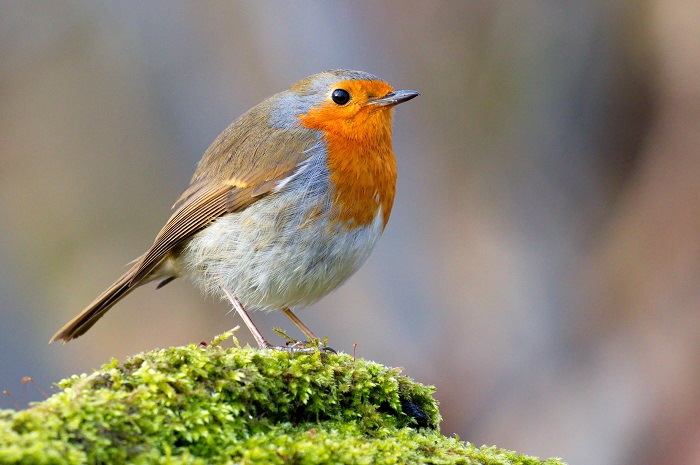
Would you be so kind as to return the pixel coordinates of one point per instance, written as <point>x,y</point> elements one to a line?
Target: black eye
<point>340,96</point>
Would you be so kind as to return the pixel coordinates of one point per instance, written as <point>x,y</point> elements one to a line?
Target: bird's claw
<point>303,347</point>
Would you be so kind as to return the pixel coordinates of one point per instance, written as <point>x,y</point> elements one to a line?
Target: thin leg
<point>304,329</point>
<point>262,343</point>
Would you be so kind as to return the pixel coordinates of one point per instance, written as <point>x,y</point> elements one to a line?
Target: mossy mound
<point>208,405</point>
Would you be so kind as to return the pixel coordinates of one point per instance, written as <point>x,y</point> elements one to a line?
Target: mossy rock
<point>209,405</point>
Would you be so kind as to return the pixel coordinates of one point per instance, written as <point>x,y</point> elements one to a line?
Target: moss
<point>209,405</point>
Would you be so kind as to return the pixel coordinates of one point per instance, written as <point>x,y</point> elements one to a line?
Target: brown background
<point>541,266</point>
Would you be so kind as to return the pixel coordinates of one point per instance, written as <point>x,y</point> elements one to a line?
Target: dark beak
<point>394,98</point>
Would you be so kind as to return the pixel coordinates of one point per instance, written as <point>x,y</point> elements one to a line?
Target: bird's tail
<point>93,312</point>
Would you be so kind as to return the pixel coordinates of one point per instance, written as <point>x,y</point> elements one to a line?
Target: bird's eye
<point>340,96</point>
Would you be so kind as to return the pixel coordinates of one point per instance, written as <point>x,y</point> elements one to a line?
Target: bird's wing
<point>226,182</point>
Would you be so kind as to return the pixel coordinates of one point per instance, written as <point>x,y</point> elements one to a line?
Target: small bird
<point>284,206</point>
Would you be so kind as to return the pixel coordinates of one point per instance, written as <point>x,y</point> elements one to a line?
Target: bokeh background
<point>541,266</point>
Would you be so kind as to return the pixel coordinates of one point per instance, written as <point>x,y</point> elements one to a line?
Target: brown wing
<point>241,166</point>
<point>250,152</point>
<point>203,206</point>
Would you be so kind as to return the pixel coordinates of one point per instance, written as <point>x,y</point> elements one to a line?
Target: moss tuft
<point>209,405</point>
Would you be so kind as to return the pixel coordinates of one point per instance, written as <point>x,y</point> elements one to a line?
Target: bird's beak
<point>394,98</point>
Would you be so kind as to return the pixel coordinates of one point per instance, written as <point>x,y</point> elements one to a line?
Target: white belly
<point>282,251</point>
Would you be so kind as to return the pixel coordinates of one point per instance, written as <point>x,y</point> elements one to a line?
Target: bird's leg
<point>262,342</point>
<point>300,324</point>
<point>305,329</point>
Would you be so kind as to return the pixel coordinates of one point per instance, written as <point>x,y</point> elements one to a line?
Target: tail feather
<point>93,312</point>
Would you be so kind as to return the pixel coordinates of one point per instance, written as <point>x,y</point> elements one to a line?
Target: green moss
<point>208,405</point>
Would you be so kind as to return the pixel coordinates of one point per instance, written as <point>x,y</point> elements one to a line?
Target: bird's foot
<point>303,347</point>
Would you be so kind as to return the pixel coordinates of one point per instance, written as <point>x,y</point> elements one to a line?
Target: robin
<point>284,206</point>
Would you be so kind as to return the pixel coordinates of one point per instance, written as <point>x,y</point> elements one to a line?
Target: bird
<point>283,207</point>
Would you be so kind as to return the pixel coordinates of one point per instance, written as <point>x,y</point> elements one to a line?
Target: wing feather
<point>210,195</point>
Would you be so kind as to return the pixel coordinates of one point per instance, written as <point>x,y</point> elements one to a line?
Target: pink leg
<point>262,343</point>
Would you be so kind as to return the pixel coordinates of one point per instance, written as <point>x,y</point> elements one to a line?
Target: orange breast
<point>364,178</point>
<point>360,156</point>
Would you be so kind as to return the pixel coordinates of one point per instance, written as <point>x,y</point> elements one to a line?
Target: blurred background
<point>541,265</point>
